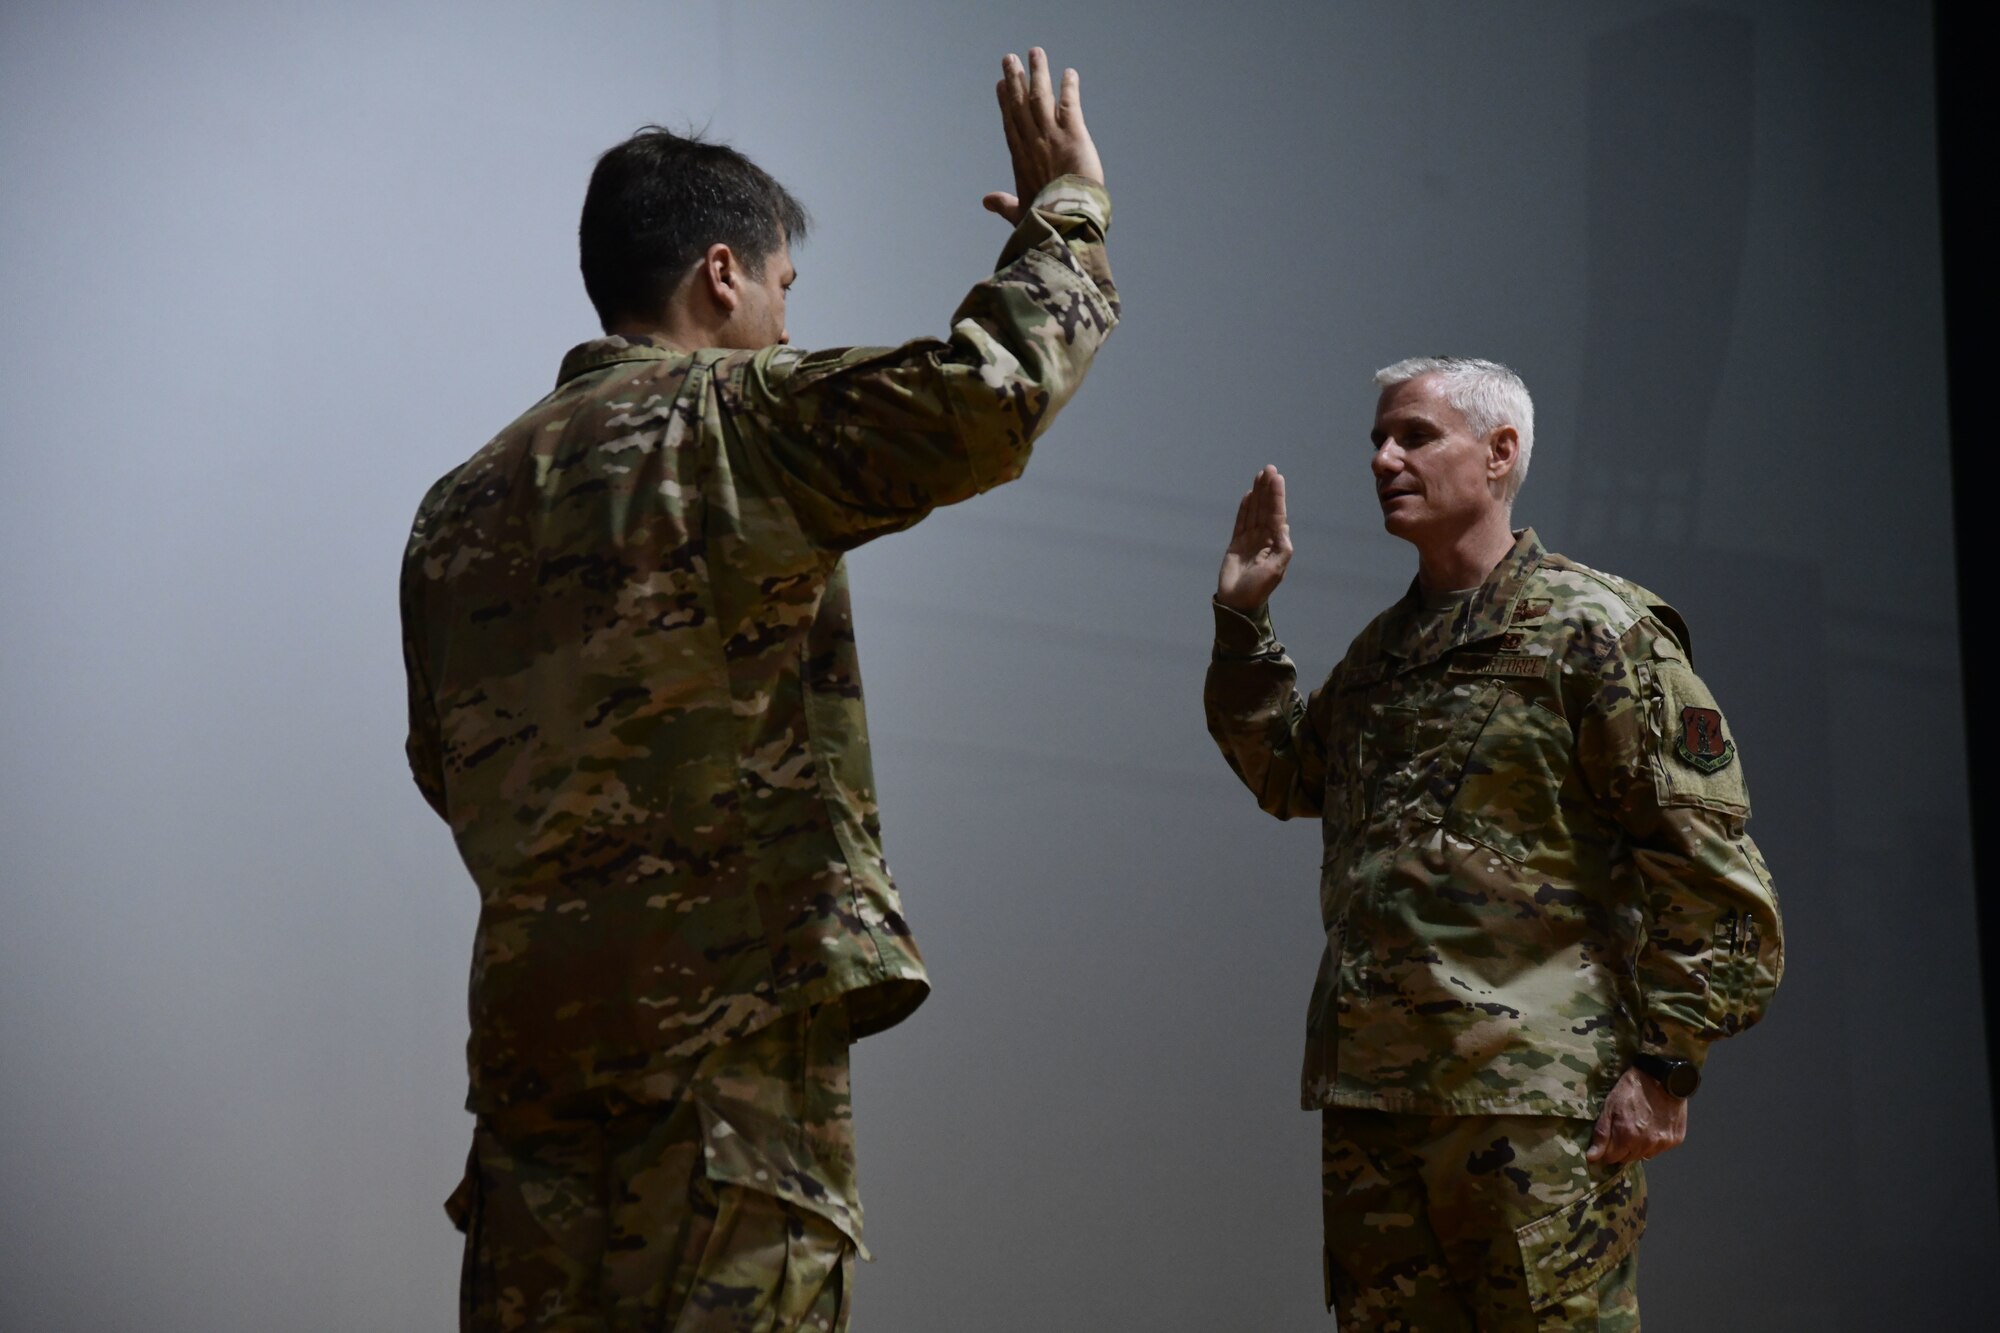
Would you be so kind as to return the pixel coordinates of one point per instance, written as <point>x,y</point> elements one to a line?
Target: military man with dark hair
<point>1540,903</point>
<point>634,697</point>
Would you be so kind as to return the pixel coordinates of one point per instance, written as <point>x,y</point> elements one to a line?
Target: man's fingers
<point>1241,532</point>
<point>1012,92</point>
<point>1008,126</point>
<point>1017,84</point>
<point>1273,514</point>
<point>1253,508</point>
<point>1042,95</point>
<point>1270,491</point>
<point>1045,127</point>
<point>1069,106</point>
<point>1009,92</point>
<point>1599,1139</point>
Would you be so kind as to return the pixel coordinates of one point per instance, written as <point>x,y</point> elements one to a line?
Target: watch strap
<point>1679,1077</point>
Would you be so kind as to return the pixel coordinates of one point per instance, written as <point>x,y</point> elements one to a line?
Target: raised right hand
<point>1045,134</point>
<point>1259,549</point>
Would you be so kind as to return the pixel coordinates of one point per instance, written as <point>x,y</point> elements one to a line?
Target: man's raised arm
<point>1271,737</point>
<point>864,441</point>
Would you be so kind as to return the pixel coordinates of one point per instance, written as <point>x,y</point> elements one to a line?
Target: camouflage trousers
<point>1491,1223</point>
<point>716,1200</point>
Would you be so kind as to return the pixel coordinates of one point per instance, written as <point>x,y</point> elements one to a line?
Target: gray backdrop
<point>269,270</point>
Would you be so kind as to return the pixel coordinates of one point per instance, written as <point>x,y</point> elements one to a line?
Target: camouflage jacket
<point>1534,861</point>
<point>633,687</point>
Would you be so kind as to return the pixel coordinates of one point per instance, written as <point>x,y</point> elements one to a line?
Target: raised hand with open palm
<point>1259,549</point>
<point>1046,136</point>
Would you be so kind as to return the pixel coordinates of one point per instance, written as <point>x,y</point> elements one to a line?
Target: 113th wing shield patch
<point>1701,742</point>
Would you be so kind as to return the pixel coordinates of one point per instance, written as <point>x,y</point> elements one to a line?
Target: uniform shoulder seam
<point>1623,591</point>
<point>1640,603</point>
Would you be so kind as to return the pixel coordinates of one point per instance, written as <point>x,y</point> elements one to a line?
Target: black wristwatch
<point>1679,1077</point>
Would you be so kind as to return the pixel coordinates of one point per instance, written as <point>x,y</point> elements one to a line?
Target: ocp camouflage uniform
<point>1447,1224</point>
<point>634,693</point>
<point>718,1195</point>
<point>1534,866</point>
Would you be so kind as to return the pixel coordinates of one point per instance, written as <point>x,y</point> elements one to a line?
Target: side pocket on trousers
<point>463,1204</point>
<point>1570,1249</point>
<point>467,1209</point>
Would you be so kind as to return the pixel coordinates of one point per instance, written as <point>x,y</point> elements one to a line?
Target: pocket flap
<point>1570,1249</point>
<point>464,1200</point>
<point>768,1154</point>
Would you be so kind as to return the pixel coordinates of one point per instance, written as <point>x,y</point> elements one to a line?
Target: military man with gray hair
<point>1540,903</point>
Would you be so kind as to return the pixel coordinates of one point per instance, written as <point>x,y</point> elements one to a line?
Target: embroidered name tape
<point>1500,664</point>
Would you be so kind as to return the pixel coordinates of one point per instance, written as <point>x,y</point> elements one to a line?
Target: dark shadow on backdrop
<point>1670,117</point>
<point>1965,170</point>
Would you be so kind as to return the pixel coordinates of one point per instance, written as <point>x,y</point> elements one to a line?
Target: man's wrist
<point>1243,634</point>
<point>1251,612</point>
<point>1680,1078</point>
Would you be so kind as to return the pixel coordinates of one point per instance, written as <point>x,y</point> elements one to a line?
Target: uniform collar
<point>610,351</point>
<point>1414,639</point>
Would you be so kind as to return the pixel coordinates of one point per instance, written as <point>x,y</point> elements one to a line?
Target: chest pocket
<point>1508,795</point>
<point>1414,745</point>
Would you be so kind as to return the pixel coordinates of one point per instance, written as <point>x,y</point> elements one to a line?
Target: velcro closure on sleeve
<point>1695,762</point>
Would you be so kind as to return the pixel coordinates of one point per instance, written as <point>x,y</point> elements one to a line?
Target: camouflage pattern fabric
<point>1535,861</point>
<point>634,693</point>
<point>728,1204</point>
<point>1490,1223</point>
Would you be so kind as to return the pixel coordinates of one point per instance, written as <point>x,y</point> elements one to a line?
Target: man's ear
<point>722,275</point>
<point>1503,452</point>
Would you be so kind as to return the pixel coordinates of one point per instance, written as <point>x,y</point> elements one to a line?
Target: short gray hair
<point>1488,393</point>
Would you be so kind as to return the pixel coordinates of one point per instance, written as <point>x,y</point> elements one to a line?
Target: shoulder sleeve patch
<point>1695,758</point>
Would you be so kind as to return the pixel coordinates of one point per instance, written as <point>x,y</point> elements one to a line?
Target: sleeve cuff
<point>1675,1044</point>
<point>1244,636</point>
<point>1078,196</point>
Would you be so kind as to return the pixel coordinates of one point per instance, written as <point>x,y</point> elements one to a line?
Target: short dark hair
<point>657,202</point>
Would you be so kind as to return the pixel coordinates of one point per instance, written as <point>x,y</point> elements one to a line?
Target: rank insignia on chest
<point>1701,742</point>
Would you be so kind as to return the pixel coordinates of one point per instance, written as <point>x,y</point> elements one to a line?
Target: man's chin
<point>1399,525</point>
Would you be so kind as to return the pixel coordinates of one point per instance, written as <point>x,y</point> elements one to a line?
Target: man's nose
<point>1387,461</point>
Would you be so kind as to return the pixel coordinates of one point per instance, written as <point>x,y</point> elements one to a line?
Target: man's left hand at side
<point>1641,1119</point>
